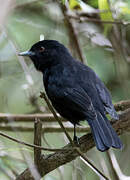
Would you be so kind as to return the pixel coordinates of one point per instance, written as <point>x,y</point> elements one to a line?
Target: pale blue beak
<point>27,53</point>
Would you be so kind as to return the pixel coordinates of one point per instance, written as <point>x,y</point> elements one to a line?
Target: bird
<point>75,91</point>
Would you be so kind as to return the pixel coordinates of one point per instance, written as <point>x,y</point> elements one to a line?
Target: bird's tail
<point>103,133</point>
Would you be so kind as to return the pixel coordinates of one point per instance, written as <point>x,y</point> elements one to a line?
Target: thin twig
<point>13,170</point>
<point>56,117</point>
<point>46,129</point>
<point>84,158</point>
<point>82,19</point>
<point>114,174</point>
<point>30,145</point>
<point>20,58</point>
<point>5,172</point>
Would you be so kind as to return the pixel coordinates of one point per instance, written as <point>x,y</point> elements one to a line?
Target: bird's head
<point>46,53</point>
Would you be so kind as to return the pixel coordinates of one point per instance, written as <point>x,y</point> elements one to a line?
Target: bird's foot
<point>76,140</point>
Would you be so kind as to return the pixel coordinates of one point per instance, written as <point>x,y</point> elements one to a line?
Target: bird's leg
<point>75,138</point>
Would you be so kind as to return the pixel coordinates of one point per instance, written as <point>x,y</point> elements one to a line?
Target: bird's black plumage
<point>75,91</point>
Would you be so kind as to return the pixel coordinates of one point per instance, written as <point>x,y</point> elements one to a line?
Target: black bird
<point>76,92</point>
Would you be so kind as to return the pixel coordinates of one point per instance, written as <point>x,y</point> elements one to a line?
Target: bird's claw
<point>76,140</point>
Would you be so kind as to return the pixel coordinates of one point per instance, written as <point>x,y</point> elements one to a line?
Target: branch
<point>37,142</point>
<point>27,117</point>
<point>46,129</point>
<point>72,32</point>
<point>54,160</point>
<point>86,19</point>
<point>120,106</point>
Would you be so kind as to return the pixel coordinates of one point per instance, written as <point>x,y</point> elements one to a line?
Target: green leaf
<point>63,1</point>
<point>125,10</point>
<point>93,3</point>
<point>74,4</point>
<point>104,5</point>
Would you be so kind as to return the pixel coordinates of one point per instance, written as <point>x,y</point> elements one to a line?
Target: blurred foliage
<point>92,3</point>
<point>106,14</point>
<point>74,4</point>
<point>24,25</point>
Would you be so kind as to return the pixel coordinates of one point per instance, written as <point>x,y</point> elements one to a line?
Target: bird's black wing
<point>73,101</point>
<point>80,98</point>
<point>106,98</point>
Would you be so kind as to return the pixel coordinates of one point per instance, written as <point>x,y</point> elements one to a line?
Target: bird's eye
<point>41,49</point>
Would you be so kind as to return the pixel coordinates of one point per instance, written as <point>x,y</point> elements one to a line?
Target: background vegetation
<point>103,46</point>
